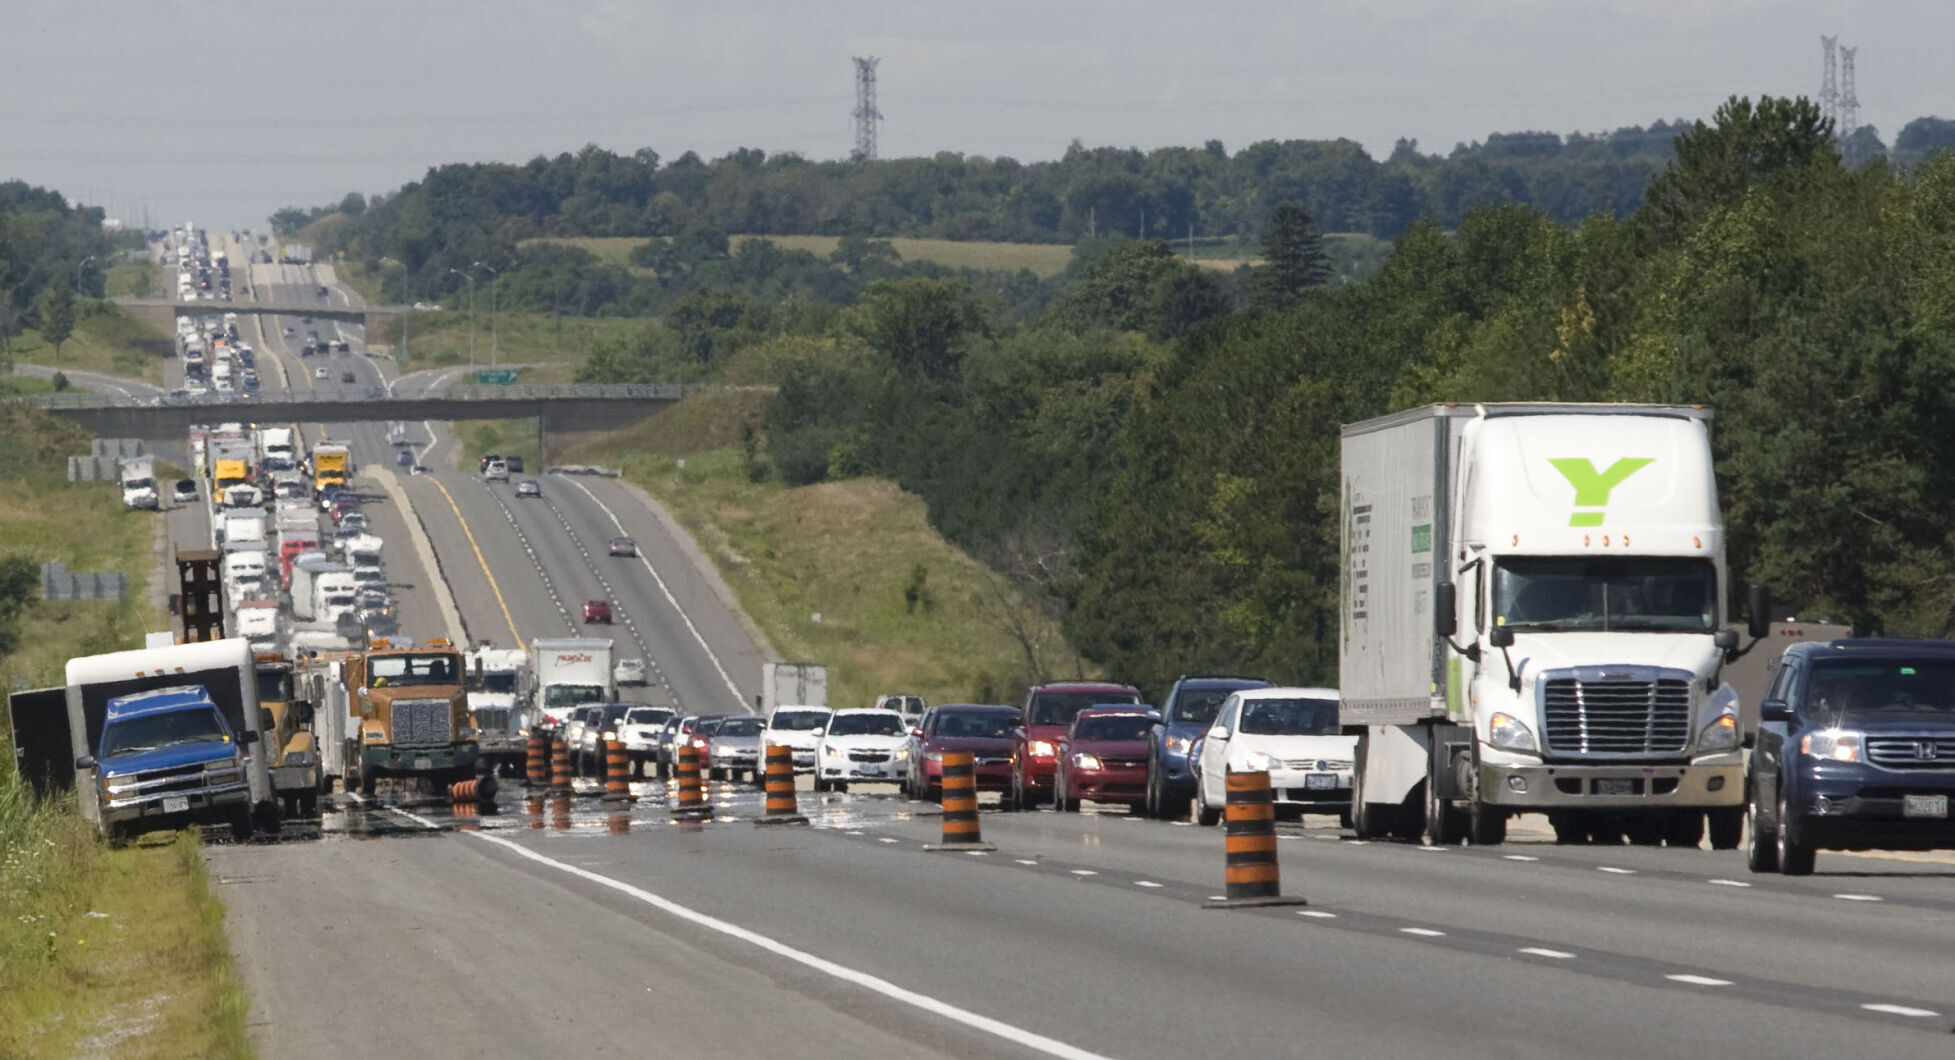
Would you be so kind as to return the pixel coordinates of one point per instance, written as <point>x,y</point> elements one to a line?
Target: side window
<point>1781,679</point>
<point>1226,716</point>
<point>1479,597</point>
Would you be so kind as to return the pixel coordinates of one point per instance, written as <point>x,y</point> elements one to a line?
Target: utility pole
<point>469,276</point>
<point>1829,89</point>
<point>1849,102</point>
<point>865,114</point>
<point>495,281</point>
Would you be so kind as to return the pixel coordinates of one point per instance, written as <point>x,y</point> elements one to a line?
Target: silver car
<point>733,747</point>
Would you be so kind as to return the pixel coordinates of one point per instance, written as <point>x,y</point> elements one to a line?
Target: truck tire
<point>1796,856</point>
<point>1727,828</point>
<point>309,804</point>
<point>1761,843</point>
<point>1486,825</point>
<point>1369,820</point>
<point>367,780</point>
<point>1443,824</point>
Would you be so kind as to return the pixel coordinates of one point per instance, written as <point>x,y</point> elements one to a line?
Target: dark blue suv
<point>1186,714</point>
<point>1855,751</point>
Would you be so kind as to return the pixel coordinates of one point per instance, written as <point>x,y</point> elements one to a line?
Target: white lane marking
<point>1025,861</point>
<point>1145,883</point>
<point>1218,897</point>
<point>1431,850</point>
<point>1859,897</point>
<point>1698,980</point>
<point>1617,871</point>
<point>669,598</point>
<point>1357,842</point>
<point>978,853</point>
<point>1426,933</point>
<point>1729,883</point>
<point>1084,872</point>
<point>1520,857</point>
<point>997,1028</point>
<point>886,839</point>
<point>1317,914</point>
<point>1559,955</point>
<point>1900,1010</point>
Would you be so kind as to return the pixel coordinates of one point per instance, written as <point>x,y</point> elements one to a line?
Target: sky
<point>221,111</point>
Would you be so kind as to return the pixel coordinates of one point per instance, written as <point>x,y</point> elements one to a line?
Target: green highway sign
<point>495,375</point>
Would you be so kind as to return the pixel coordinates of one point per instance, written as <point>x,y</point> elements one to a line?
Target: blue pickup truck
<point>166,759</point>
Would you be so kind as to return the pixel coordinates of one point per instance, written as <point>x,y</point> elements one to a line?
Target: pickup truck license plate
<point>1615,787</point>
<point>181,805</point>
<point>1924,806</point>
<point>424,763</point>
<point>1319,781</point>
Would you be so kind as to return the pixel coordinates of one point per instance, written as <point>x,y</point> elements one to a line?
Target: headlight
<point>299,758</point>
<point>830,752</point>
<point>610,735</point>
<point>700,744</point>
<point>1084,761</point>
<point>722,751</point>
<point>1041,749</point>
<point>1256,762</point>
<point>467,734</point>
<point>1179,744</point>
<point>1719,735</point>
<point>1510,733</point>
<point>1836,745</point>
<point>902,754</point>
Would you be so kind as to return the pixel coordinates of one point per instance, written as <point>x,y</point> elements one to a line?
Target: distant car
<point>599,729</point>
<point>576,724</point>
<point>321,373</point>
<point>185,491</point>
<point>911,707</point>
<point>1291,732</point>
<point>308,320</point>
<point>800,728</point>
<point>1049,711</point>
<point>528,488</point>
<point>1104,758</point>
<point>404,457</point>
<point>623,546</point>
<point>346,377</point>
<point>495,471</point>
<point>984,730</point>
<point>735,749</point>
<point>640,730</point>
<point>629,672</point>
<point>289,330</point>
<point>308,350</point>
<point>597,611</point>
<point>340,346</point>
<point>861,745</point>
<point>1186,713</point>
<point>487,459</point>
<point>355,521</point>
<point>322,292</point>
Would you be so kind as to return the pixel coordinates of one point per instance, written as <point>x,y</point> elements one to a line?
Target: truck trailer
<point>1532,609</point>
<point>569,671</point>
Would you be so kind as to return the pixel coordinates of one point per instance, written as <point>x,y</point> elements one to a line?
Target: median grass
<point>848,573</point>
<point>106,341</point>
<point>102,952</point>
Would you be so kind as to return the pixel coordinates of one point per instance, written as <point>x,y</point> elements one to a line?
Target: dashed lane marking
<point>1901,1010</point>
<point>1697,980</point>
<point>1541,951</point>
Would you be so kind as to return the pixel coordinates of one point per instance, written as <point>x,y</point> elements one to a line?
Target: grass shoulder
<point>106,341</point>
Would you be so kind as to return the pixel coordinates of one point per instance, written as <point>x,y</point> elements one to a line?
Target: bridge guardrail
<point>487,395</point>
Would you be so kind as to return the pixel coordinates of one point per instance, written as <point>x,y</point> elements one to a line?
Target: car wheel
<point>1204,816</point>
<point>1151,806</point>
<point>716,773</point>
<point>1796,856</point>
<point>1727,828</point>
<point>1761,843</point>
<point>1061,799</point>
<point>821,786</point>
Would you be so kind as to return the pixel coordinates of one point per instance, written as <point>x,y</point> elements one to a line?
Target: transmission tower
<point>1829,89</point>
<point>865,114</point>
<point>1849,103</point>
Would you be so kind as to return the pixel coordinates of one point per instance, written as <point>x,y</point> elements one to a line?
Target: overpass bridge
<point>558,410</point>
<point>160,311</point>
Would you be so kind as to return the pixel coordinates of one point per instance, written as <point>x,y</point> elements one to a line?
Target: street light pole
<point>471,314</point>
<point>495,281</point>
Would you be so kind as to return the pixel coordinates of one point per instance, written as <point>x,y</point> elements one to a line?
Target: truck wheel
<point>1795,854</point>
<point>242,824</point>
<point>1443,826</point>
<point>1727,828</point>
<point>1486,825</point>
<point>840,786</point>
<point>1368,820</point>
<point>1761,843</point>
<point>820,785</point>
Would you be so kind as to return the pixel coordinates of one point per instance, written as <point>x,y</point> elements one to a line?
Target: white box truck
<point>792,684</point>
<point>1532,610</point>
<point>138,475</point>
<point>569,671</point>
<point>307,570</point>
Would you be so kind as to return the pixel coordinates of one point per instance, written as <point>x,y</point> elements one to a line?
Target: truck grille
<point>492,719</point>
<point>421,723</point>
<point>1912,752</point>
<point>1612,715</point>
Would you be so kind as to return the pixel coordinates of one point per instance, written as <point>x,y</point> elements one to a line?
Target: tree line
<point>50,251</point>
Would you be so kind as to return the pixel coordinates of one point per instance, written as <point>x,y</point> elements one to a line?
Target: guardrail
<point>487,395</point>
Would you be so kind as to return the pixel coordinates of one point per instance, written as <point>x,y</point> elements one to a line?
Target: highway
<point>393,926</point>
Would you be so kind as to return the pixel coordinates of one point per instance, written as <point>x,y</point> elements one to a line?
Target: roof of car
<point>1276,692</point>
<point>867,710</point>
<point>1229,683</point>
<point>158,701</point>
<point>1084,686</point>
<point>1887,646</point>
<point>972,707</point>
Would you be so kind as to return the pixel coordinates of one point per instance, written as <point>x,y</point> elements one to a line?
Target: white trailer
<point>569,671</point>
<point>792,684</point>
<point>1532,620</point>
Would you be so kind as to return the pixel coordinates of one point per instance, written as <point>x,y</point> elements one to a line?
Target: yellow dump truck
<point>289,739</point>
<point>412,709</point>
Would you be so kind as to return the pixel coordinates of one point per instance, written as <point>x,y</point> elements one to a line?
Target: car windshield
<point>557,696</point>
<point>1290,717</point>
<point>1198,705</point>
<point>1594,595</point>
<point>500,683</point>
<point>1843,691</point>
<point>431,668</point>
<point>708,726</point>
<point>867,725</point>
<point>738,727</point>
<point>1113,727</point>
<point>615,714</point>
<point>1059,708</point>
<point>153,731</point>
<point>622,542</point>
<point>977,724</point>
<point>798,720</point>
<point>647,716</point>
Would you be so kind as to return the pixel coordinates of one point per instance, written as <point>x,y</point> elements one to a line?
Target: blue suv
<point>1186,714</point>
<point>1855,751</point>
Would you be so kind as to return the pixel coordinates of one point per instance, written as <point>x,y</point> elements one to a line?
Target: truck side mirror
<point>1774,710</point>
<point>85,762</point>
<point>1445,605</point>
<point>1501,636</point>
<point>1759,621</point>
<point>1726,640</point>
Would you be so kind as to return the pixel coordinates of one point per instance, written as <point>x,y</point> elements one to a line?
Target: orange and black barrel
<point>538,767</point>
<point>560,811</point>
<point>691,798</point>
<point>960,804</point>
<point>461,791</point>
<point>617,772</point>
<point>533,806</point>
<point>1250,843</point>
<point>781,805</point>
<point>560,765</point>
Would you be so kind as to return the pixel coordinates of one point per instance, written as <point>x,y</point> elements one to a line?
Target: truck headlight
<point>1835,745</point>
<point>1510,733</point>
<point>1257,762</point>
<point>1719,735</point>
<point>1086,761</point>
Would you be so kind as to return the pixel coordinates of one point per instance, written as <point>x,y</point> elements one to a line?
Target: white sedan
<point>861,745</point>
<point>629,672</point>
<point>1291,732</point>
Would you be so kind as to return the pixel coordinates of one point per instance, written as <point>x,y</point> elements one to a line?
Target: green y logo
<point>1592,488</point>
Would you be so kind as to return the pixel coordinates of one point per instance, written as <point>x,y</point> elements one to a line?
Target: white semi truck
<point>1533,621</point>
<point>138,475</point>
<point>569,671</point>
<point>498,682</point>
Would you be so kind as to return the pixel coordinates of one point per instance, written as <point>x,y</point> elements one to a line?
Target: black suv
<point>1855,751</point>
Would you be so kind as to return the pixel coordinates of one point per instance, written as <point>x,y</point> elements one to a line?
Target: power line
<point>1849,102</point>
<point>1829,89</point>
<point>865,114</point>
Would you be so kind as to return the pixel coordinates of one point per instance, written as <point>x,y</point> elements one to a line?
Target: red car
<point>985,731</point>
<point>597,611</point>
<point>346,377</point>
<point>1104,758</point>
<point>1049,712</point>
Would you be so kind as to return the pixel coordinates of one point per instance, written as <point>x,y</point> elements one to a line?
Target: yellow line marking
<point>470,534</point>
